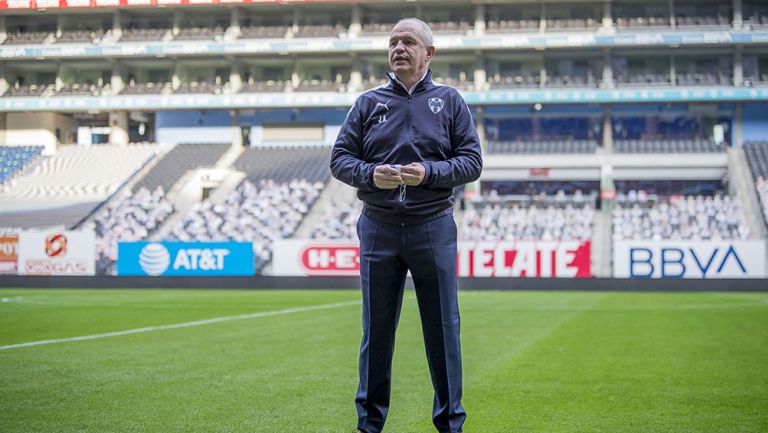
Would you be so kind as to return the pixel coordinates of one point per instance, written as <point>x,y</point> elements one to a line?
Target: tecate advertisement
<point>689,259</point>
<point>491,259</point>
<point>185,258</point>
<point>57,253</point>
<point>9,254</point>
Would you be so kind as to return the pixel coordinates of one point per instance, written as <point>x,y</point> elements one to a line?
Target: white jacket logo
<point>382,116</point>
<point>436,105</point>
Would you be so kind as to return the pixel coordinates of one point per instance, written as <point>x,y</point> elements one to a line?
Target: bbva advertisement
<point>185,259</point>
<point>689,259</point>
<point>474,259</point>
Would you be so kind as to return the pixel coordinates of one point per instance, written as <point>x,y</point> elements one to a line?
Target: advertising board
<point>689,259</point>
<point>474,259</point>
<point>185,258</point>
<point>57,253</point>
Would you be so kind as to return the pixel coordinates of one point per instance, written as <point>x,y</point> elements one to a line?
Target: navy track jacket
<point>387,125</point>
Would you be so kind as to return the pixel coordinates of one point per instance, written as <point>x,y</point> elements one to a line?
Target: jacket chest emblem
<point>436,105</point>
<point>382,109</point>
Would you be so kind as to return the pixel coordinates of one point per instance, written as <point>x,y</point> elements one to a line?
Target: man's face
<point>407,53</point>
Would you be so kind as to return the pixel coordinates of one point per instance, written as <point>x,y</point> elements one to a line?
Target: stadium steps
<point>128,186</point>
<point>742,186</point>
<point>182,158</point>
<point>55,192</point>
<point>334,191</point>
<point>187,192</point>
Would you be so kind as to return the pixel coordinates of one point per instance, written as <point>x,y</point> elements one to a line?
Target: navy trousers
<point>387,251</point>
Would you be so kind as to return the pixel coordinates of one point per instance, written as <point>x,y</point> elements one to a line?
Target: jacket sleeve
<point>347,163</point>
<point>467,162</point>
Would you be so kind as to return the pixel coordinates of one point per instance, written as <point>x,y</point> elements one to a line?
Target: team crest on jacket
<point>436,105</point>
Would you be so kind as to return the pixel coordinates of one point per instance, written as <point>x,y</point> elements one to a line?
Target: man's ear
<point>430,52</point>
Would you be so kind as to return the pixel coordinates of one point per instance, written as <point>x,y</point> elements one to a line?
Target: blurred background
<point>622,138</point>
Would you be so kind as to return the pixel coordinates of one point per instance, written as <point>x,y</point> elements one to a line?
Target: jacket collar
<point>423,83</point>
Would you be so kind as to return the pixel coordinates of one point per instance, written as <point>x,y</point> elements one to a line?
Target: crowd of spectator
<point>542,218</point>
<point>757,158</point>
<point>255,212</point>
<point>762,194</point>
<point>129,217</point>
<point>639,216</point>
<point>339,221</point>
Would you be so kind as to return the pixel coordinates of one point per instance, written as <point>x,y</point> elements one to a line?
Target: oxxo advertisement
<point>689,259</point>
<point>9,254</point>
<point>185,259</point>
<point>57,253</point>
<point>474,259</point>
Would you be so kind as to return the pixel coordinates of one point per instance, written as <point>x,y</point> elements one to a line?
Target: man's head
<point>410,49</point>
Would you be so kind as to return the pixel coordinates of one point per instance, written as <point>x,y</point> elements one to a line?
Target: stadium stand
<point>541,217</point>
<point>507,26</point>
<point>319,86</point>
<point>757,157</point>
<point>681,145</point>
<point>30,90</point>
<point>139,34</point>
<point>640,216</point>
<point>199,87</point>
<point>85,89</point>
<point>134,88</point>
<point>28,38</point>
<point>199,33</point>
<point>281,164</point>
<point>263,32</point>
<point>129,217</point>
<point>320,31</point>
<point>755,14</point>
<point>73,182</point>
<point>513,81</point>
<point>542,147</point>
<point>14,158</point>
<point>451,27</point>
<point>338,221</point>
<point>178,161</point>
<point>80,36</point>
<point>264,86</point>
<point>280,187</point>
<point>255,212</point>
<point>79,172</point>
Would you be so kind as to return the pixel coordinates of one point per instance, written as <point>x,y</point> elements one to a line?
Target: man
<point>405,146</point>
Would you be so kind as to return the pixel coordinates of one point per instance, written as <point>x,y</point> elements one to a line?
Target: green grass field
<point>533,362</point>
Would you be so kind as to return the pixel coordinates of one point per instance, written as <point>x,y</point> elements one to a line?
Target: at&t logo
<point>154,259</point>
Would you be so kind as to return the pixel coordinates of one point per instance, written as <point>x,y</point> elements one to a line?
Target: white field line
<point>184,325</point>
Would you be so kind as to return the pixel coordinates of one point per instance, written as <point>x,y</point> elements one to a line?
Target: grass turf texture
<point>533,362</point>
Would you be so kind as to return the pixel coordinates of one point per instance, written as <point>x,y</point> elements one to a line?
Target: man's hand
<point>413,174</point>
<point>386,177</point>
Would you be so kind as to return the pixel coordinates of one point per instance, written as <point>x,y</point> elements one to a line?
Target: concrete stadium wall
<point>193,126</point>
<point>585,284</point>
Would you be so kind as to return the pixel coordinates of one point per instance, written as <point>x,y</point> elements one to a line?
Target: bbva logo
<point>675,262</point>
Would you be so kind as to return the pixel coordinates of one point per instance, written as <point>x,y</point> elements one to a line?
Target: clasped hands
<point>387,177</point>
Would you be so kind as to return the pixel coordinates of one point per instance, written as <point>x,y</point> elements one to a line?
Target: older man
<point>405,145</point>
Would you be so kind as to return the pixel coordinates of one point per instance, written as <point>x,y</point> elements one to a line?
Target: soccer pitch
<point>286,361</point>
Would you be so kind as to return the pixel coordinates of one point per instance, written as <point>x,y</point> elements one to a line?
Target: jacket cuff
<point>427,173</point>
<point>369,177</point>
